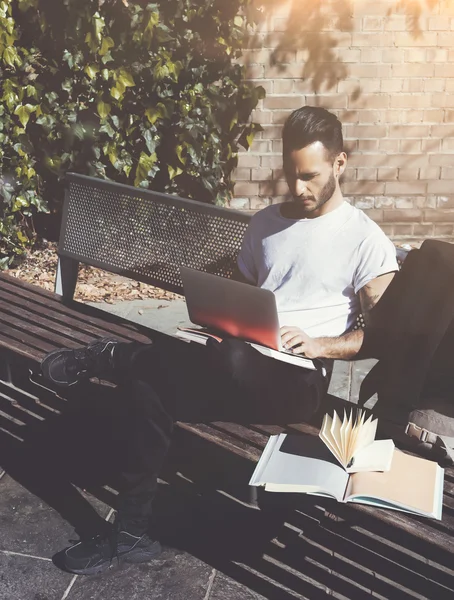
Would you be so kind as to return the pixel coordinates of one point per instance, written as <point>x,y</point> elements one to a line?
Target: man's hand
<point>299,342</point>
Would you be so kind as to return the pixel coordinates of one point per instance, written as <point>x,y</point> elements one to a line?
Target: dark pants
<point>170,380</point>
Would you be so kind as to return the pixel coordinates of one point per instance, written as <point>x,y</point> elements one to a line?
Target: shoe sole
<point>134,557</point>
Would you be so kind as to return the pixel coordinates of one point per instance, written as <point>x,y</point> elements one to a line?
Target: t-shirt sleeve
<point>376,256</point>
<point>245,259</point>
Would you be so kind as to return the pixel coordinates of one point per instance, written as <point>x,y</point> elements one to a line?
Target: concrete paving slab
<point>26,578</point>
<point>175,575</point>
<point>225,588</point>
<point>29,526</point>
<point>161,315</point>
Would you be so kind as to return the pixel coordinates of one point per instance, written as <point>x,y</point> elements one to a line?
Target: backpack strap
<point>425,436</point>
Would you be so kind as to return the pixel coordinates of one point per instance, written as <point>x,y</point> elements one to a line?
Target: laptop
<point>238,309</point>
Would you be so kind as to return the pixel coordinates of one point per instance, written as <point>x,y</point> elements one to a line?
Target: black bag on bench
<point>413,334</point>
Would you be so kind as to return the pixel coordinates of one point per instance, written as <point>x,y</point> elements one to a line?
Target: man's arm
<point>343,347</point>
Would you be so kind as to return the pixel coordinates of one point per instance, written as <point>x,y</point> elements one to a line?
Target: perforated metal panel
<point>147,235</point>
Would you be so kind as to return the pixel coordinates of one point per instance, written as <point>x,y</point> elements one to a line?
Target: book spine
<point>256,478</point>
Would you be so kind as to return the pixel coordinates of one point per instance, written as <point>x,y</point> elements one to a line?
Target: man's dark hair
<point>310,124</point>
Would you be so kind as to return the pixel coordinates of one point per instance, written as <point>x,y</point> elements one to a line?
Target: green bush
<point>145,94</point>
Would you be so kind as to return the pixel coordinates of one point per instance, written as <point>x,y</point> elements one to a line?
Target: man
<point>323,259</point>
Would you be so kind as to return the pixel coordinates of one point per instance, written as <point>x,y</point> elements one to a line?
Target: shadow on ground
<point>292,547</point>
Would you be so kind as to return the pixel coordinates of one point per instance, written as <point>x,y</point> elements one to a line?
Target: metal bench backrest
<point>147,235</point>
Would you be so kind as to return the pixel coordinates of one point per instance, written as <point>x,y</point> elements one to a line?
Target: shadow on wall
<point>312,28</point>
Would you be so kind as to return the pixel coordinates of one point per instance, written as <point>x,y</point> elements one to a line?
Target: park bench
<point>359,551</point>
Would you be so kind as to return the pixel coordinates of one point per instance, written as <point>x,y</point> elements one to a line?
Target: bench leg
<point>67,271</point>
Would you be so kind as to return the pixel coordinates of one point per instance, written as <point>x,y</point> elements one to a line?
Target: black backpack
<point>413,338</point>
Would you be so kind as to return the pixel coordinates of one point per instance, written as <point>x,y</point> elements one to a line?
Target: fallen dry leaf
<point>94,285</point>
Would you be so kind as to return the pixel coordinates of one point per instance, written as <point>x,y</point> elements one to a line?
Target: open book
<point>303,463</point>
<point>352,441</point>
<point>201,336</point>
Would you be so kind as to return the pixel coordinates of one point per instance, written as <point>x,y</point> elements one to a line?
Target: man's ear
<point>340,164</point>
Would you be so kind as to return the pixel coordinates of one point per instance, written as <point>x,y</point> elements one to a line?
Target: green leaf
<point>23,111</point>
<point>91,70</point>
<point>125,78</point>
<point>174,172</point>
<point>11,57</point>
<point>145,167</point>
<point>106,44</point>
<point>103,109</point>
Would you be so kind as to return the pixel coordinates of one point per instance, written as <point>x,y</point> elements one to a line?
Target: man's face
<point>310,177</point>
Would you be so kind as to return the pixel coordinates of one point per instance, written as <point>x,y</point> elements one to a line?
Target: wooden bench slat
<point>76,314</point>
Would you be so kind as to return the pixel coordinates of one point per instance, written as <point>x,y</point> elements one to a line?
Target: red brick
<point>443,230</point>
<point>403,229</point>
<point>374,40</point>
<point>445,202</point>
<point>411,101</point>
<point>281,102</point>
<point>393,55</point>
<point>438,216</point>
<point>449,116</point>
<point>387,174</point>
<point>396,23</point>
<point>411,146</point>
<point>280,116</point>
<point>284,71</point>
<point>441,160</point>
<point>442,131</point>
<point>271,132</point>
<point>244,188</point>
<point>255,72</point>
<point>425,201</point>
<point>408,131</point>
<point>258,203</point>
<point>367,145</point>
<point>328,101</point>
<point>404,202</point>
<point>408,174</point>
<point>370,55</point>
<point>278,174</point>
<point>247,159</point>
<point>242,174</point>
<point>437,55</point>
<point>416,55</point>
<point>365,131</point>
<point>375,214</point>
<point>260,146</point>
<point>412,85</point>
<point>408,39</point>
<point>273,188</point>
<point>429,173</point>
<point>387,229</point>
<point>402,215</point>
<point>263,117</point>
<point>366,160</point>
<point>405,187</point>
<point>369,86</point>
<point>373,24</point>
<point>261,174</point>
<point>424,229</point>
<point>447,144</point>
<point>430,145</point>
<point>412,116</point>
<point>446,39</point>
<point>434,115</point>
<point>257,56</point>
<point>272,161</point>
<point>371,70</point>
<point>349,175</point>
<point>363,187</point>
<point>413,70</point>
<point>370,101</point>
<point>367,174</point>
<point>439,187</point>
<point>387,145</point>
<point>284,86</point>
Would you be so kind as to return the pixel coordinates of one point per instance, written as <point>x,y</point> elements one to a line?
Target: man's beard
<point>296,209</point>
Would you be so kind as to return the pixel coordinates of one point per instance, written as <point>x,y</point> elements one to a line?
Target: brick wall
<point>386,68</point>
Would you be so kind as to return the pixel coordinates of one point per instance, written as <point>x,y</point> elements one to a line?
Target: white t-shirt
<point>316,267</point>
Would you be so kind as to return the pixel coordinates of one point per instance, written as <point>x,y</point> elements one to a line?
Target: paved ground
<point>215,546</point>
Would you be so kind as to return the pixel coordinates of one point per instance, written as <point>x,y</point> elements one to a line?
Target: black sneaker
<point>66,367</point>
<point>102,552</point>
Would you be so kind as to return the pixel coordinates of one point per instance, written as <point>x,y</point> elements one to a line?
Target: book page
<point>302,463</point>
<point>374,457</point>
<point>411,484</point>
<point>328,435</point>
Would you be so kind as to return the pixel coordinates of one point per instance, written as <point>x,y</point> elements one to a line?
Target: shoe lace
<point>100,539</point>
<point>87,359</point>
